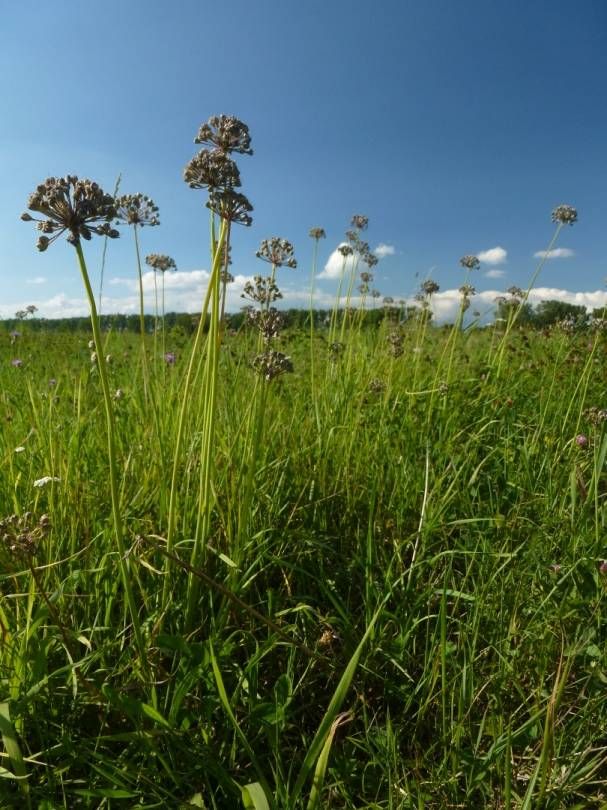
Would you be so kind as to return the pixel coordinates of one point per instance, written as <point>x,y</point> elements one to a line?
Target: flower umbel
<point>226,133</point>
<point>231,206</point>
<point>212,170</point>
<point>161,262</point>
<point>136,209</point>
<point>278,252</point>
<point>565,214</point>
<point>80,207</point>
<point>470,262</point>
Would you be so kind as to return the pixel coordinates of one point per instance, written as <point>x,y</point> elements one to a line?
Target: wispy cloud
<point>496,255</point>
<point>495,273</point>
<point>557,253</point>
<point>383,250</point>
<point>36,280</point>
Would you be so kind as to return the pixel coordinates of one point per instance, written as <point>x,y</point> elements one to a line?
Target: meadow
<point>352,564</point>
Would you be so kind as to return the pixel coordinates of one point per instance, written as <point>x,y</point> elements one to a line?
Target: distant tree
<point>506,308</point>
<point>547,313</point>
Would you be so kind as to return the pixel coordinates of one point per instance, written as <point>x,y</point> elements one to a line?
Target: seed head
<point>21,534</point>
<point>262,290</point>
<point>226,133</point>
<point>366,278</point>
<point>581,440</point>
<point>160,262</point>
<point>429,287</point>
<point>271,364</point>
<point>467,290</point>
<point>212,170</point>
<point>268,321</point>
<point>345,250</point>
<point>231,206</point>
<point>317,233</point>
<point>359,222</point>
<point>136,209</point>
<point>564,214</point>
<point>370,259</point>
<point>470,262</point>
<point>80,207</point>
<point>515,292</point>
<point>278,252</point>
<point>226,277</point>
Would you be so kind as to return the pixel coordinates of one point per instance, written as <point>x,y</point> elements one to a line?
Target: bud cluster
<point>21,534</point>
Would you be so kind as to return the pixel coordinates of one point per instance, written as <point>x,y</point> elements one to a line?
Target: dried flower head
<point>212,170</point>
<point>363,288</point>
<point>277,252</point>
<point>345,250</point>
<point>359,222</point>
<point>564,214</point>
<point>515,292</point>
<point>271,364</point>
<point>226,277</point>
<point>467,290</point>
<point>227,133</point>
<point>470,262</point>
<point>80,207</point>
<point>136,209</point>
<point>263,290</point>
<point>366,278</point>
<point>596,416</point>
<point>370,259</point>
<point>269,322</point>
<point>376,386</point>
<point>160,262</point>
<point>429,287</point>
<point>317,233</point>
<point>395,340</point>
<point>31,309</point>
<point>231,206</point>
<point>21,534</point>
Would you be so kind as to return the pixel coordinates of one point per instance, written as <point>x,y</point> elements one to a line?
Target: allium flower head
<point>345,250</point>
<point>271,364</point>
<point>366,278</point>
<point>226,133</point>
<point>136,209</point>
<point>429,287</point>
<point>212,170</point>
<point>515,292</point>
<point>317,233</point>
<point>80,207</point>
<point>467,290</point>
<point>370,259</point>
<point>262,290</point>
<point>470,262</point>
<point>564,214</point>
<point>278,252</point>
<point>268,321</point>
<point>359,222</point>
<point>21,534</point>
<point>160,262</point>
<point>226,277</point>
<point>231,206</point>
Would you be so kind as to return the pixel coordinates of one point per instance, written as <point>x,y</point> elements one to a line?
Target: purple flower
<point>581,440</point>
<point>16,362</point>
<point>170,358</point>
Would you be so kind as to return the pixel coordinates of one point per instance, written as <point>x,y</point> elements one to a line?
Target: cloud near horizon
<point>496,255</point>
<point>187,294</point>
<point>495,273</point>
<point>383,250</point>
<point>36,280</point>
<point>556,253</point>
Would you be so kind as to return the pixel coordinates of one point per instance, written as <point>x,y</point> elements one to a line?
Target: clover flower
<point>160,262</point>
<point>170,358</point>
<point>277,252</point>
<point>227,133</point>
<point>231,206</point>
<point>212,170</point>
<point>317,233</point>
<point>564,214</point>
<point>136,209</point>
<point>271,364</point>
<point>80,207</point>
<point>470,262</point>
<point>581,440</point>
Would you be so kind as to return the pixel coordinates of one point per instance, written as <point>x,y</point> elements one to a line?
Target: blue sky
<point>455,127</point>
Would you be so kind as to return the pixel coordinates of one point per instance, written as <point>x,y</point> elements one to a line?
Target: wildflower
<point>360,222</point>
<point>211,170</point>
<point>278,252</point>
<point>470,262</point>
<point>564,214</point>
<point>231,206</point>
<point>20,449</point>
<point>581,440</point>
<point>14,335</point>
<point>226,133</point>
<point>466,290</point>
<point>160,262</point>
<point>17,363</point>
<point>93,357</point>
<point>317,233</point>
<point>31,309</point>
<point>515,292</point>
<point>370,259</point>
<point>396,339</point>
<point>376,386</point>
<point>226,277</point>
<point>429,287</point>
<point>21,534</point>
<point>46,479</point>
<point>268,321</point>
<point>603,568</point>
<point>596,416</point>
<point>119,394</point>
<point>170,358</point>
<point>366,278</point>
<point>80,207</point>
<point>271,364</point>
<point>91,344</point>
<point>345,250</point>
<point>262,290</point>
<point>136,209</point>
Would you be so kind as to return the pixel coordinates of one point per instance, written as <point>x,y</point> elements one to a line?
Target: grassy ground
<point>398,599</point>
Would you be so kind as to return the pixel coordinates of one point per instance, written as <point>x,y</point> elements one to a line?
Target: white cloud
<point>383,250</point>
<point>36,280</point>
<point>495,273</point>
<point>557,253</point>
<point>496,255</point>
<point>335,264</point>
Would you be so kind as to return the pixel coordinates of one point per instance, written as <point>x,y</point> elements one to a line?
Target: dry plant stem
<point>312,284</point>
<point>111,448</point>
<point>335,312</point>
<point>185,401</point>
